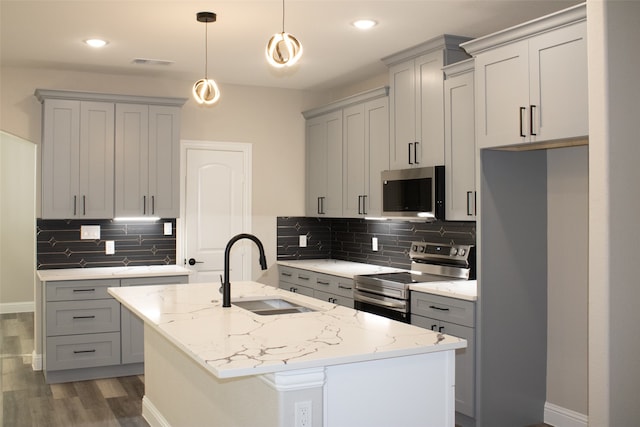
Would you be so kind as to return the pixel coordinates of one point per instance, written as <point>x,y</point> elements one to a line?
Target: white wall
<point>17,223</point>
<point>567,277</point>
<point>614,203</point>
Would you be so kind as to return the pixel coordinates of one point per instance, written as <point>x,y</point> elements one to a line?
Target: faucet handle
<point>221,284</point>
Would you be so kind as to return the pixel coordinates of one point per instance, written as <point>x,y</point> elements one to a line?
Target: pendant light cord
<point>206,50</point>
<point>283,16</point>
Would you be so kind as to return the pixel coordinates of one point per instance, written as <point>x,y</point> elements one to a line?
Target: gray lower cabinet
<point>132,335</point>
<point>334,289</point>
<point>87,334</point>
<point>454,317</point>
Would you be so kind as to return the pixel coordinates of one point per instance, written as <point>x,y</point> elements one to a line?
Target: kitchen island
<point>333,366</point>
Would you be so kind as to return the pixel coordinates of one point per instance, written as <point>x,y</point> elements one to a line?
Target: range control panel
<point>425,250</point>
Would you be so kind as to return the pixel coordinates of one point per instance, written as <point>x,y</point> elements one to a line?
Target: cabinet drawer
<point>70,290</point>
<point>302,290</point>
<point>82,351</point>
<point>82,317</point>
<point>335,285</point>
<point>297,276</point>
<point>333,298</point>
<point>452,310</point>
<point>156,280</point>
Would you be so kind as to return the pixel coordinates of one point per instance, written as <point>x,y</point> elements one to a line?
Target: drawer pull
<point>84,290</point>
<point>345,287</point>
<point>320,282</point>
<point>84,317</point>
<point>438,308</point>
<point>303,277</point>
<point>84,351</point>
<point>284,273</point>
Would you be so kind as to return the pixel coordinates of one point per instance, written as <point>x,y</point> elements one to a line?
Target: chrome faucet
<point>226,285</point>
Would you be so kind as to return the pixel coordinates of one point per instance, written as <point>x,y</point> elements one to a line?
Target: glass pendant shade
<point>283,50</point>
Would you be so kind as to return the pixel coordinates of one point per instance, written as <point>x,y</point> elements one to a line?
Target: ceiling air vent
<point>147,61</point>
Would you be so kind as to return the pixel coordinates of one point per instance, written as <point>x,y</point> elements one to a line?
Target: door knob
<point>192,261</point>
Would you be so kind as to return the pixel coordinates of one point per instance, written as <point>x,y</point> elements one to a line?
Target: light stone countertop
<point>338,267</point>
<point>111,272</point>
<point>233,342</point>
<point>461,289</point>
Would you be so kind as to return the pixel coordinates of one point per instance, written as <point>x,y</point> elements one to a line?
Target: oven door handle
<point>362,298</point>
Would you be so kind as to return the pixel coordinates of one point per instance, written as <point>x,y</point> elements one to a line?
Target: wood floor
<point>28,401</point>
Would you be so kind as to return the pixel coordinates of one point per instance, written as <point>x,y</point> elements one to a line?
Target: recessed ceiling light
<point>364,24</point>
<point>96,42</point>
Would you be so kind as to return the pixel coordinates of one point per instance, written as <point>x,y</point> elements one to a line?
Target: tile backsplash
<point>136,243</point>
<point>350,239</point>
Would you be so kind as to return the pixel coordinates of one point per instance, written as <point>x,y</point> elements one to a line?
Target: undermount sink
<point>272,306</point>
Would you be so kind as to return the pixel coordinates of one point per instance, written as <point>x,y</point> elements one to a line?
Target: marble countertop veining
<point>461,289</point>
<point>232,342</point>
<point>111,272</point>
<point>338,267</point>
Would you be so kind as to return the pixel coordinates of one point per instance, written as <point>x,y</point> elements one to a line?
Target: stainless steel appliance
<point>413,193</point>
<point>388,294</point>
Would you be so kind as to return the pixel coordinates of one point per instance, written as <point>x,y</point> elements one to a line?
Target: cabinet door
<point>460,149</point>
<point>96,167</point>
<point>324,165</point>
<point>558,90</point>
<point>502,90</point>
<point>132,164</point>
<point>376,134</point>
<point>60,158</point>
<point>402,105</point>
<point>465,367</point>
<point>429,110</point>
<point>355,161</point>
<point>132,326</point>
<point>164,161</point>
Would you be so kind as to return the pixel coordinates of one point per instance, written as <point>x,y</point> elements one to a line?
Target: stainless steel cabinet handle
<point>531,107</point>
<point>359,205</point>
<point>522,109</point>
<point>470,203</point>
<point>364,204</point>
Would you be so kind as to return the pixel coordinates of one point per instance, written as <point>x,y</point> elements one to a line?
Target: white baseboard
<point>558,416</point>
<point>17,307</point>
<point>36,361</point>
<point>152,415</point>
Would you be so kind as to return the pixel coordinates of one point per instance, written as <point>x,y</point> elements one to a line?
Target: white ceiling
<point>49,33</point>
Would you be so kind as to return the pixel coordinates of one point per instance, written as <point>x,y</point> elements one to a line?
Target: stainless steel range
<point>388,294</point>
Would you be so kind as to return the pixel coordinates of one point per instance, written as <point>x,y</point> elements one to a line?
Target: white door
<point>216,207</point>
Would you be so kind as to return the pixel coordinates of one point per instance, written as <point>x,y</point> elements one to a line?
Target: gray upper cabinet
<point>459,142</point>
<point>531,81</point>
<point>147,161</point>
<point>109,155</point>
<point>416,101</point>
<point>77,159</point>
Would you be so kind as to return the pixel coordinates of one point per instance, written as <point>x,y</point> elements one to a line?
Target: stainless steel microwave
<point>416,193</point>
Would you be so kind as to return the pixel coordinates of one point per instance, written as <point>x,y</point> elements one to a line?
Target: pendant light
<point>205,91</point>
<point>283,49</point>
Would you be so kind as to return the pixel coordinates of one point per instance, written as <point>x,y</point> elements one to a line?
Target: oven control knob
<point>415,248</point>
<point>461,252</point>
<point>454,251</point>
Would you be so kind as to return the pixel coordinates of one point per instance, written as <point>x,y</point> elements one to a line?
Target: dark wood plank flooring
<point>28,401</point>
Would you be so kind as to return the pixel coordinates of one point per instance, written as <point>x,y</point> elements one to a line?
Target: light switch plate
<point>302,241</point>
<point>109,247</point>
<point>89,232</point>
<point>168,229</point>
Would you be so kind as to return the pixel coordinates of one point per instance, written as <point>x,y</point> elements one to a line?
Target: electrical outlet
<point>109,247</point>
<point>89,232</point>
<point>302,240</point>
<point>168,229</point>
<point>303,414</point>
<point>374,244</point>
